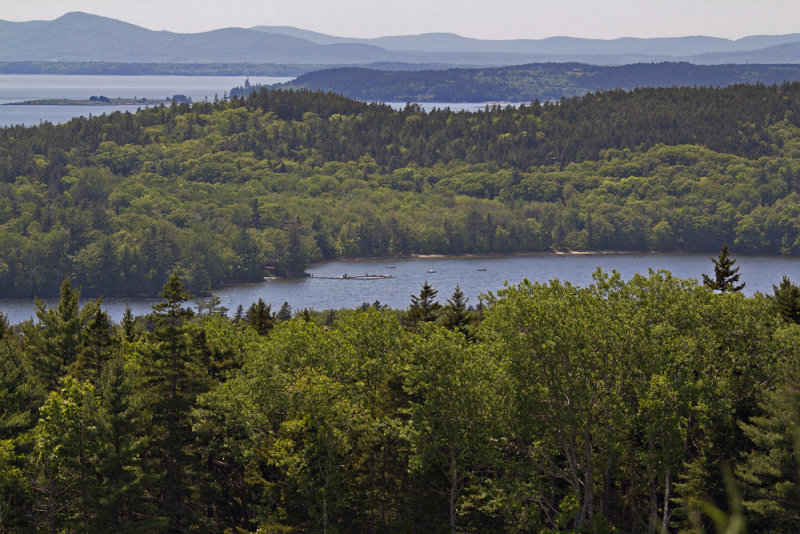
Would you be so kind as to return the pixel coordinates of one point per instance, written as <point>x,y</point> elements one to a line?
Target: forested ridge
<point>524,83</point>
<point>230,191</point>
<point>618,407</point>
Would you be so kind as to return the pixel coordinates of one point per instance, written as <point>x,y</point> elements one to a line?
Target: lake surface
<point>475,276</point>
<point>21,87</point>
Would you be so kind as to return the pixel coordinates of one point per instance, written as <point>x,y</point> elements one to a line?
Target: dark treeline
<point>618,407</point>
<point>525,83</point>
<point>231,191</point>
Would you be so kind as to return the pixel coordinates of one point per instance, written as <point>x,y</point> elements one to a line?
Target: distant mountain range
<point>80,37</point>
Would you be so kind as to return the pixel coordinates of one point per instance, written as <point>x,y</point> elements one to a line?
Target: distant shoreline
<point>87,102</point>
<point>509,254</point>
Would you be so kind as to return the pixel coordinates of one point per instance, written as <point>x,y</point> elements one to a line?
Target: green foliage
<point>56,339</point>
<point>725,275</point>
<point>771,470</point>
<point>424,308</point>
<point>120,201</point>
<point>526,83</point>
<point>786,299</point>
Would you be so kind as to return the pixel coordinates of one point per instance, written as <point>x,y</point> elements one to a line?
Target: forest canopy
<point>615,407</point>
<point>231,191</point>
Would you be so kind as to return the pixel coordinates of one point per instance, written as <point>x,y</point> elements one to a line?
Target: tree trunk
<point>651,524</point>
<point>587,511</point>
<point>453,492</point>
<point>665,519</point>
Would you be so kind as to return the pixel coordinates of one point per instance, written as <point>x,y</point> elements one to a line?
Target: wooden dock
<point>365,276</point>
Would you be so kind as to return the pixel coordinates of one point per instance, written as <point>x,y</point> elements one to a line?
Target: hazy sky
<point>488,19</point>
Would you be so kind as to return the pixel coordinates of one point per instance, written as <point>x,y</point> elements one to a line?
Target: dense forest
<point>640,406</point>
<point>525,83</point>
<point>231,191</point>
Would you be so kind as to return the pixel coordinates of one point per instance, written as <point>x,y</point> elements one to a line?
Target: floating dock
<point>365,276</point>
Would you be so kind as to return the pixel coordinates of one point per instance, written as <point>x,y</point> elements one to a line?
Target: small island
<point>103,101</point>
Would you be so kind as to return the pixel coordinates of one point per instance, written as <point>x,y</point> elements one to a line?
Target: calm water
<point>21,87</point>
<point>759,272</point>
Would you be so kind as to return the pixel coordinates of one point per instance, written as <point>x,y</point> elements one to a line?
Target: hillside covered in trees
<point>525,83</point>
<point>232,191</point>
<point>617,407</point>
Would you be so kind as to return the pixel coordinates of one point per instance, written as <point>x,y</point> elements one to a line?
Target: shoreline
<point>514,254</point>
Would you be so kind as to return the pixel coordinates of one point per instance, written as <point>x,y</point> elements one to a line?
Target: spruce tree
<point>424,308</point>
<point>260,317</point>
<point>725,274</point>
<point>173,376</point>
<point>786,299</point>
<point>4,325</point>
<point>56,339</point>
<point>129,331</point>
<point>285,313</point>
<point>95,349</point>
<point>456,315</point>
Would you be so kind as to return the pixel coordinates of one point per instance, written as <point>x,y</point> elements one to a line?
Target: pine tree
<point>4,326</point>
<point>129,331</point>
<point>56,339</point>
<point>285,313</point>
<point>260,317</point>
<point>725,275</point>
<point>786,299</point>
<point>95,348</point>
<point>456,316</point>
<point>424,308</point>
<point>173,376</point>
<point>770,471</point>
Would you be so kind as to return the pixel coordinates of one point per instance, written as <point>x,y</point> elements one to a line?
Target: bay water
<point>475,275</point>
<point>23,87</point>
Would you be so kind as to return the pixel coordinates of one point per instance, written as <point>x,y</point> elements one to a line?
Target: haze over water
<point>22,87</point>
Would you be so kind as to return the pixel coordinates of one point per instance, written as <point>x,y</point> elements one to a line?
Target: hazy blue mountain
<point>82,37</point>
<point>782,53</point>
<point>556,47</point>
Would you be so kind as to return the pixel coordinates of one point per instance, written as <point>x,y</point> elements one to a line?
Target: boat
<point>431,270</point>
<point>481,269</point>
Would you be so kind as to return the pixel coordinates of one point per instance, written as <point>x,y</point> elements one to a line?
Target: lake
<point>475,275</point>
<point>21,87</point>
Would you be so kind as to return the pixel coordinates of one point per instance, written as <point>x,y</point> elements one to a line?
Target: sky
<point>484,19</point>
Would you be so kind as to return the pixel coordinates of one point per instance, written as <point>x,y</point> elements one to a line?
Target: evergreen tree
<point>173,376</point>
<point>129,331</point>
<point>295,257</point>
<point>424,308</point>
<point>259,315</point>
<point>786,299</point>
<point>4,326</point>
<point>285,313</point>
<point>56,339</point>
<point>95,347</point>
<point>120,468</point>
<point>771,471</point>
<point>725,275</point>
<point>456,316</point>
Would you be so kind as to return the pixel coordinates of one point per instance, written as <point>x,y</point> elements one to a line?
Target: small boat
<point>391,267</point>
<point>481,269</point>
<point>431,270</point>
